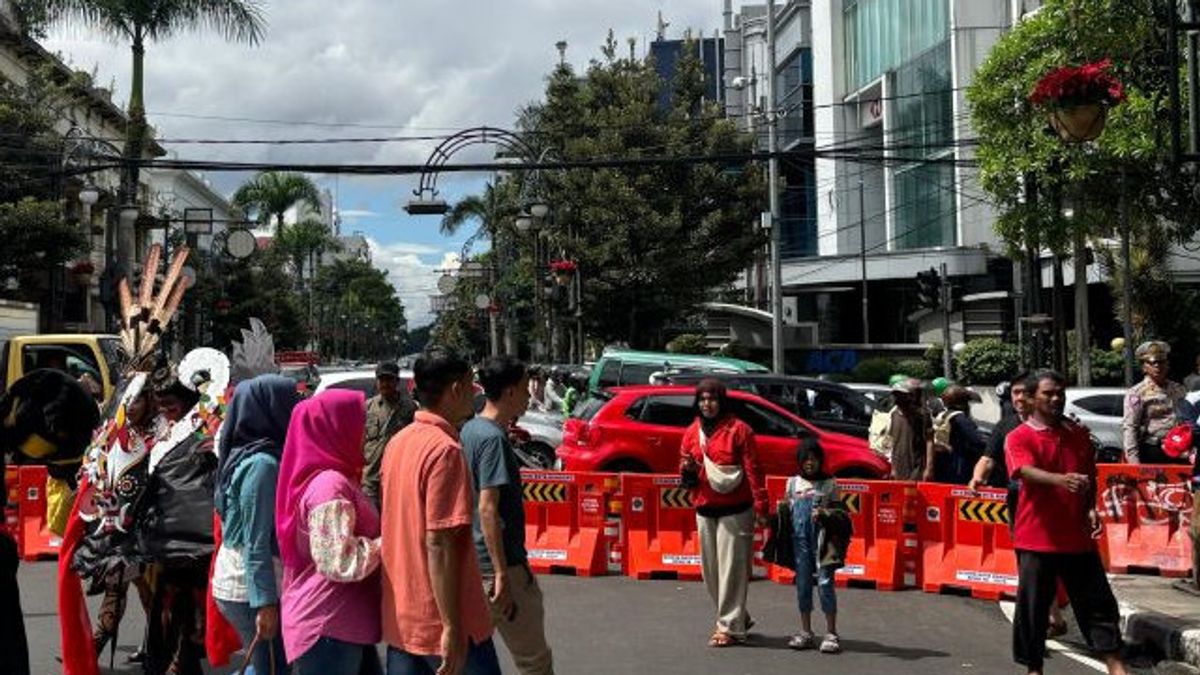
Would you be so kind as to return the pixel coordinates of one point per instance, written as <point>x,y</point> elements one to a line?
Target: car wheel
<point>538,456</point>
<point>627,466</point>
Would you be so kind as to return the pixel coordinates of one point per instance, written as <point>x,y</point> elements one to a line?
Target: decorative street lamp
<point>88,197</point>
<point>523,223</point>
<point>539,210</point>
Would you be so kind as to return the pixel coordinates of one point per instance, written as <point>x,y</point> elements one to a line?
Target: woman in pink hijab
<point>328,540</point>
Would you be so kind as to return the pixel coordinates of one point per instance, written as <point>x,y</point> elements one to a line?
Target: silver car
<point>545,434</point>
<point>1101,410</point>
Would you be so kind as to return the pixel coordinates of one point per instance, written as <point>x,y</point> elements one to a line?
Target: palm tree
<point>139,21</point>
<point>271,194</point>
<point>490,209</point>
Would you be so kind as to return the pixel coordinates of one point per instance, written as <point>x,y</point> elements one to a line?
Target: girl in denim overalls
<point>811,493</point>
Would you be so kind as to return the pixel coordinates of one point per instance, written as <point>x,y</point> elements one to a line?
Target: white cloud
<point>413,270</point>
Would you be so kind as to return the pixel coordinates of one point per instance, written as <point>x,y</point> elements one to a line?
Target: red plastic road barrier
<point>565,521</point>
<point>1146,510</point>
<point>882,553</point>
<point>659,537</point>
<point>965,542</point>
<point>12,499</point>
<point>36,539</point>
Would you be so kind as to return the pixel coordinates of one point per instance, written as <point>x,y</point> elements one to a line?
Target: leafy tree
<point>36,238</point>
<point>689,343</point>
<point>492,209</point>
<point>358,311</point>
<point>988,361</point>
<point>141,21</point>
<point>229,292</point>
<point>271,193</point>
<point>1015,150</point>
<point>651,242</point>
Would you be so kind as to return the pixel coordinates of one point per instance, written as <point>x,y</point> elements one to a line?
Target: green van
<point>619,367</point>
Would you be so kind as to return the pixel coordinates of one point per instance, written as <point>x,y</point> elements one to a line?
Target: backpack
<point>941,430</point>
<point>879,433</point>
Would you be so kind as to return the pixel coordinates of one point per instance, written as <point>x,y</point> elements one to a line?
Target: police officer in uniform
<point>1150,406</point>
<point>389,411</point>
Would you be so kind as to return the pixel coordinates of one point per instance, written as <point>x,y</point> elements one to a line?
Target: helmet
<point>939,385</point>
<point>1178,441</point>
<point>896,378</point>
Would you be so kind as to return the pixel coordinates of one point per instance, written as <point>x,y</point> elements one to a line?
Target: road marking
<point>1008,608</point>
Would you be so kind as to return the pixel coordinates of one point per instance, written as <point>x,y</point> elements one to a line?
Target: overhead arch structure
<point>426,200</point>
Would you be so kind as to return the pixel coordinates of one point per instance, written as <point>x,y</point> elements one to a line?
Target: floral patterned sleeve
<point>337,552</point>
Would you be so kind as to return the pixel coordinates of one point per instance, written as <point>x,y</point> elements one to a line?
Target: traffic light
<point>929,286</point>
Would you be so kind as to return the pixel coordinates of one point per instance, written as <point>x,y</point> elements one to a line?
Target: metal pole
<point>947,370</point>
<point>862,242</point>
<point>1083,334</point>
<point>1193,78</point>
<point>777,347</point>
<point>1126,282</point>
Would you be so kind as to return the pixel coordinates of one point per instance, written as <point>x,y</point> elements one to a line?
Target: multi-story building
<point>877,89</point>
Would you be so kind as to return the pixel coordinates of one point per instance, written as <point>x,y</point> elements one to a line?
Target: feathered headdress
<point>145,318</point>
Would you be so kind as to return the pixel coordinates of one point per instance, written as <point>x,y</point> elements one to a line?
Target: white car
<point>1101,410</point>
<point>358,380</point>
<point>545,434</point>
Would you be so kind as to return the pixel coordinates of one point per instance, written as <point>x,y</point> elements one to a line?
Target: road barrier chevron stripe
<point>545,492</point>
<point>978,511</point>
<point>676,498</point>
<point>853,502</point>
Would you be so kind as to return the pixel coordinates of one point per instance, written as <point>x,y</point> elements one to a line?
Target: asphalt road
<point>618,625</point>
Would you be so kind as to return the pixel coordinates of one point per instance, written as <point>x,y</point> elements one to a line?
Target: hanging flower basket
<point>81,272</point>
<point>563,270</point>
<point>223,306</point>
<point>1077,99</point>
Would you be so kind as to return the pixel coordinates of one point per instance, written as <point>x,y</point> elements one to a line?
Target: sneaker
<point>830,645</point>
<point>802,641</point>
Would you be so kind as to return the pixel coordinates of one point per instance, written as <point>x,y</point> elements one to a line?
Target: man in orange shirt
<point>435,617</point>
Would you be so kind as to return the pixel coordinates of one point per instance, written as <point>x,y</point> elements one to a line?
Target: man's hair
<point>434,372</point>
<point>1020,378</point>
<point>499,373</point>
<point>1032,382</point>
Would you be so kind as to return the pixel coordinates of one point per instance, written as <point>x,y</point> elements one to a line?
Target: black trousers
<point>14,650</point>
<point>1095,607</point>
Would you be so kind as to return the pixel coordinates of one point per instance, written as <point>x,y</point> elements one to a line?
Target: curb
<point>1177,639</point>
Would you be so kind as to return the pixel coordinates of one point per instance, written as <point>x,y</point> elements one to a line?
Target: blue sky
<point>356,68</point>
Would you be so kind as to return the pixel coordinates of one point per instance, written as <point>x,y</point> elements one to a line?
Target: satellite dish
<point>240,244</point>
<point>446,284</point>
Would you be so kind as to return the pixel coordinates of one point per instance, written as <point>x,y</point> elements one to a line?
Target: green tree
<point>142,21</point>
<point>651,242</point>
<point>359,313</point>
<point>229,292</point>
<point>271,193</point>
<point>1015,150</point>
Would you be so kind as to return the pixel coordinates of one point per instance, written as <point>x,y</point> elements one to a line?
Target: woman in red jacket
<point>718,462</point>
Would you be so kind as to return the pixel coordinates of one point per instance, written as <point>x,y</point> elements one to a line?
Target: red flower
<point>563,266</point>
<point>83,266</point>
<point>1068,86</point>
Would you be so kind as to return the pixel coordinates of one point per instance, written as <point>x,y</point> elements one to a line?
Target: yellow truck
<point>85,356</point>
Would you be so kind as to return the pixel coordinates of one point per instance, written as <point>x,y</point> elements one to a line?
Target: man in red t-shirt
<point>1055,529</point>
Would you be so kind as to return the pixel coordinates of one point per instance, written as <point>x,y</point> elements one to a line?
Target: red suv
<point>640,429</point>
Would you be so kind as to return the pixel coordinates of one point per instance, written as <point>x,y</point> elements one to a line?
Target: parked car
<point>545,432</point>
<point>357,380</point>
<point>97,356</point>
<point>621,367</point>
<point>640,429</point>
<point>827,405</point>
<point>1101,410</point>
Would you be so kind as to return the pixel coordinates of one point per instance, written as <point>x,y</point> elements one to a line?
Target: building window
<point>922,131</point>
<point>882,34</point>
<point>794,82</point>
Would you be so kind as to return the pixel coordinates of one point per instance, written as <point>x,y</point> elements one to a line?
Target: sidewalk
<point>1160,612</point>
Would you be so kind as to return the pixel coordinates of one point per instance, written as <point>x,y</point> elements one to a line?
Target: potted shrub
<point>1077,99</point>
<point>563,270</point>
<point>81,271</point>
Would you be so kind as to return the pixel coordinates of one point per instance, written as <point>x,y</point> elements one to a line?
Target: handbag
<point>780,548</point>
<point>722,478</point>
<point>250,655</point>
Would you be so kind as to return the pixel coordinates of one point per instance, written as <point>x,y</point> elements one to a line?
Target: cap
<point>907,386</point>
<point>387,369</point>
<point>1153,349</point>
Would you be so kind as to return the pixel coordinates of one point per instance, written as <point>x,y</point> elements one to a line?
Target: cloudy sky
<point>370,68</point>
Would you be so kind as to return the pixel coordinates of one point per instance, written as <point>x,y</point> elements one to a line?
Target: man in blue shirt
<point>499,526</point>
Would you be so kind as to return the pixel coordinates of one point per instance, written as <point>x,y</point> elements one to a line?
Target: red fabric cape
<point>220,638</point>
<point>78,651</point>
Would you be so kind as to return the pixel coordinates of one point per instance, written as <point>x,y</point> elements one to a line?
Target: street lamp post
<point>777,347</point>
